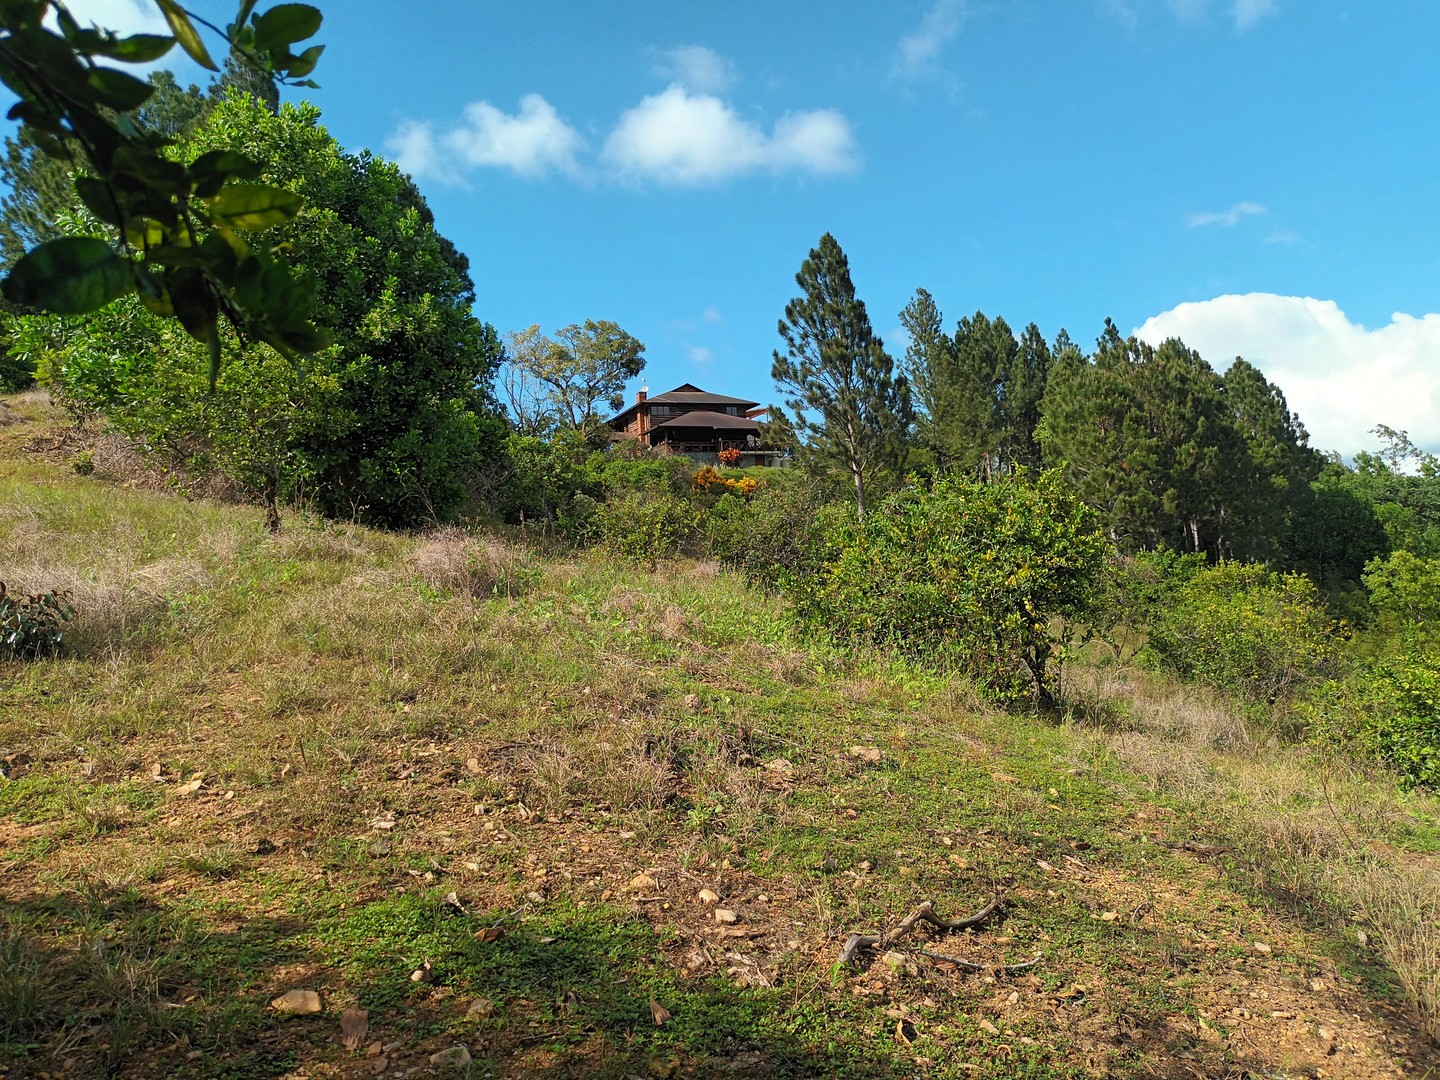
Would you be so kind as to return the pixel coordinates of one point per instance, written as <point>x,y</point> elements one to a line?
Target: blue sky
<point>1259,176</point>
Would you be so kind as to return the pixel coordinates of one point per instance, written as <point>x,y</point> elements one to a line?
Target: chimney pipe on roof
<point>641,395</point>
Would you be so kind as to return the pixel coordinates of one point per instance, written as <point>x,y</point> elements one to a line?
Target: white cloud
<point>711,315</point>
<point>1249,12</point>
<point>697,68</point>
<point>915,54</point>
<point>1188,10</point>
<point>122,16</point>
<point>533,142</point>
<point>1342,378</point>
<point>676,137</point>
<point>699,355</point>
<point>1232,216</point>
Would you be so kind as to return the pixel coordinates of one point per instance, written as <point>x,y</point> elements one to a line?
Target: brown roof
<point>704,418</point>
<point>684,394</point>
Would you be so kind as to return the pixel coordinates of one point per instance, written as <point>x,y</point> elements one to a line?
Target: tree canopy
<point>384,424</point>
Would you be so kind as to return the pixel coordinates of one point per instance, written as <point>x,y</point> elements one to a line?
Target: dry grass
<point>463,564</point>
<point>1315,832</point>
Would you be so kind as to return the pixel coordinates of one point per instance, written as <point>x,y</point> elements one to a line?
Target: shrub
<point>771,535</point>
<point>979,577</point>
<point>647,526</point>
<point>1244,630</point>
<point>1389,710</point>
<point>32,625</point>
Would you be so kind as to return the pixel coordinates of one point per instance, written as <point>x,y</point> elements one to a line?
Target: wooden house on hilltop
<point>696,423</point>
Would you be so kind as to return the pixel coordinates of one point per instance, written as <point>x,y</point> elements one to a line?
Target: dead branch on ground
<point>926,913</point>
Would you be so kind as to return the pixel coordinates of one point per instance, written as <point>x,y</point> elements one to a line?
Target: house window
<point>732,410</point>
<point>662,410</point>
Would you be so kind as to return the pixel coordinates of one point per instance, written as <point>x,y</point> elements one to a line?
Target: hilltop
<point>580,817</point>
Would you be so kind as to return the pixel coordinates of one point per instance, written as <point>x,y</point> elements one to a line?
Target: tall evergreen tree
<point>1278,467</point>
<point>848,402</point>
<point>1022,387</point>
<point>1144,435</point>
<point>930,366</point>
<point>245,76</point>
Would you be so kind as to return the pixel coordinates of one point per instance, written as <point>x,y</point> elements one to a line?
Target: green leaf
<point>69,276</point>
<point>254,206</point>
<point>185,34</point>
<point>210,171</point>
<point>118,90</point>
<point>99,200</point>
<point>284,24</point>
<point>305,63</point>
<point>136,49</point>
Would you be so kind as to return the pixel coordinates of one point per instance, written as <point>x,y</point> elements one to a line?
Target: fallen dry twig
<point>924,913</point>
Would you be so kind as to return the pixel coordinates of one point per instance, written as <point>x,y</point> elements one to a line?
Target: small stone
<point>481,1008</point>
<point>297,1001</point>
<point>895,960</point>
<point>989,1028</point>
<point>708,896</point>
<point>373,1050</point>
<point>1263,949</point>
<point>725,915</point>
<point>457,1057</point>
<point>872,754</point>
<point>1317,985</point>
<point>643,883</point>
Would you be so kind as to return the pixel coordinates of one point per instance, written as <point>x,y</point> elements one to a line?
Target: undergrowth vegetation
<point>497,791</point>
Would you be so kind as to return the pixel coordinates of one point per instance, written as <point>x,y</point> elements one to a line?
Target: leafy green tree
<point>1244,630</point>
<point>979,577</point>
<point>385,424</point>
<point>1333,532</point>
<point>174,231</point>
<point>561,382</point>
<point>848,403</point>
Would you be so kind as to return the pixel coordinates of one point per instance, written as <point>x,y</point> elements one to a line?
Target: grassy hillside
<point>478,793</point>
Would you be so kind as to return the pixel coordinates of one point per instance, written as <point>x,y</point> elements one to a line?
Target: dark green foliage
<point>1272,482</point>
<point>976,577</point>
<point>1244,630</point>
<point>1388,709</point>
<point>770,537</point>
<point>1333,532</point>
<point>389,423</point>
<point>17,368</point>
<point>32,625</point>
<point>979,391</point>
<point>1171,454</point>
<point>847,402</point>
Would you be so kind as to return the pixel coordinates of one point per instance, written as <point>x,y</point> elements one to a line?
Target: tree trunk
<point>272,505</point>
<point>859,492</point>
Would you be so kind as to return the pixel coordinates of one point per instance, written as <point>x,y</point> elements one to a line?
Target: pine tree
<point>848,403</point>
<point>930,366</point>
<point>1022,386</point>
<point>244,76</point>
